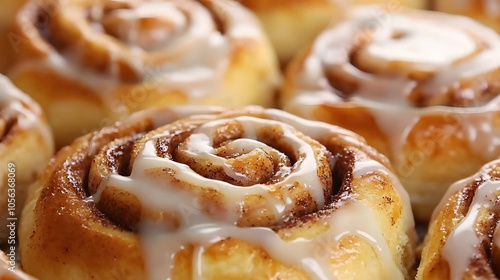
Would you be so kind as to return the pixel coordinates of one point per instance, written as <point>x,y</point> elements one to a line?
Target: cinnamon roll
<point>9,269</point>
<point>26,146</point>
<point>291,25</point>
<point>218,195</point>
<point>91,62</point>
<point>485,11</point>
<point>8,44</point>
<point>422,88</point>
<point>463,240</point>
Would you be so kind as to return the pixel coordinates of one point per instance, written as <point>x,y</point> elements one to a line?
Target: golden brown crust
<point>26,146</point>
<point>10,40</point>
<point>114,240</point>
<point>72,60</point>
<point>263,5</point>
<point>292,25</point>
<point>419,113</point>
<point>470,208</point>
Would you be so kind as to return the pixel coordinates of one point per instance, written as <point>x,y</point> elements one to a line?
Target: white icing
<point>27,118</point>
<point>313,129</point>
<point>457,186</point>
<point>428,47</point>
<point>311,255</point>
<point>234,196</point>
<point>202,229</point>
<point>442,45</point>
<point>193,58</point>
<point>461,245</point>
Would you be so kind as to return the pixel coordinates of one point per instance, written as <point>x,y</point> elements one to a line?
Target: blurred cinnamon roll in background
<point>422,87</point>
<point>218,195</point>
<point>90,62</point>
<point>9,41</point>
<point>292,24</point>
<point>26,145</point>
<point>485,11</point>
<point>9,269</point>
<point>463,241</point>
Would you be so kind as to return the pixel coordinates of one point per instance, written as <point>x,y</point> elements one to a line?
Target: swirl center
<point>149,25</point>
<point>420,44</point>
<point>414,58</point>
<point>231,158</point>
<point>242,170</point>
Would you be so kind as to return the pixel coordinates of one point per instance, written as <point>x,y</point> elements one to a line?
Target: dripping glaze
<point>13,104</point>
<point>386,96</point>
<point>202,229</point>
<point>195,55</point>
<point>463,242</point>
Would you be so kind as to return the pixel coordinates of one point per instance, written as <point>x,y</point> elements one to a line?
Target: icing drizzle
<point>16,105</point>
<point>463,242</point>
<point>202,226</point>
<point>405,63</point>
<point>174,45</point>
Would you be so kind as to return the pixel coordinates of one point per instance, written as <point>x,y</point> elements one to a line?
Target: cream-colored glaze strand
<point>463,241</point>
<point>353,218</point>
<point>419,50</point>
<point>11,106</point>
<point>203,230</point>
<point>234,196</point>
<point>198,52</point>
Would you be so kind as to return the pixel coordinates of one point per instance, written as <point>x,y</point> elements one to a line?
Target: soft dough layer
<point>218,195</point>
<point>292,24</point>
<point>89,63</point>
<point>26,146</point>
<point>421,87</point>
<point>463,241</point>
<point>9,270</point>
<point>10,40</point>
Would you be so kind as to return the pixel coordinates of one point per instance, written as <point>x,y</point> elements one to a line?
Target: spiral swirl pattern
<point>26,145</point>
<point>412,83</point>
<point>117,57</point>
<point>187,192</point>
<point>241,170</point>
<point>464,231</point>
<point>405,58</point>
<point>137,35</point>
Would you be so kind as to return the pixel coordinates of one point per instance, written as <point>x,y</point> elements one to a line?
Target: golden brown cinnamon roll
<point>9,41</point>
<point>292,24</point>
<point>485,11</point>
<point>422,88</point>
<point>91,62</point>
<point>218,196</point>
<point>463,240</point>
<point>26,145</point>
<point>9,269</point>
